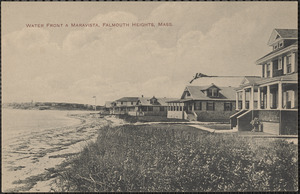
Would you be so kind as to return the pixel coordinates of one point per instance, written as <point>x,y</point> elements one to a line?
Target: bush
<point>148,159</point>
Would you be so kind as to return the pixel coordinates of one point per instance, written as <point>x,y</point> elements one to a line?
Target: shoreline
<point>49,150</point>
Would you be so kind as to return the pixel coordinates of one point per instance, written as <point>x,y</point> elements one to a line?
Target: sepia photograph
<point>149,96</point>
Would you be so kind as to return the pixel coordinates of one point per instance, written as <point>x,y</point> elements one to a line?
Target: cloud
<point>211,38</point>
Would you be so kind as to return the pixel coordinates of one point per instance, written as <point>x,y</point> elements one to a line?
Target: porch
<point>275,104</point>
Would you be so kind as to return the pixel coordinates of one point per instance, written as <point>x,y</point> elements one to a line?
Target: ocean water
<point>35,140</point>
<point>18,122</point>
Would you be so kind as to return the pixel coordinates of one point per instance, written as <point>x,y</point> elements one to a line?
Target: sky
<point>73,64</point>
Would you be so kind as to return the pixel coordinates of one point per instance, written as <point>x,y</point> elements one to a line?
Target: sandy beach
<point>28,161</point>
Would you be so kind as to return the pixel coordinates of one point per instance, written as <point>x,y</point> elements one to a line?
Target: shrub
<point>148,158</point>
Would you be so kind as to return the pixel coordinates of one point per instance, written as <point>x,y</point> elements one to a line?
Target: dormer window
<point>281,44</point>
<point>187,93</point>
<point>213,92</point>
<point>153,100</point>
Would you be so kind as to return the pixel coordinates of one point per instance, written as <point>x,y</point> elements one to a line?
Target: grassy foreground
<point>174,158</point>
<point>143,119</point>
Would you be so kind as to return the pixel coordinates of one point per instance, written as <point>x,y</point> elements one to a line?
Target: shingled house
<point>276,91</point>
<point>140,106</point>
<point>204,103</point>
<point>152,106</point>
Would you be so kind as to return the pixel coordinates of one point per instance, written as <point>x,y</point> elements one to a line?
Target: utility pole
<point>95,103</point>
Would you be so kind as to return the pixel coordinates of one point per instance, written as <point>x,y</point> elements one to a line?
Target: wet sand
<point>31,163</point>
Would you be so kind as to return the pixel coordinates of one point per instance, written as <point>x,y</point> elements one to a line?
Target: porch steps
<point>191,117</point>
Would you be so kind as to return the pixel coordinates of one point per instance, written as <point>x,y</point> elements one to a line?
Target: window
<point>188,94</point>
<point>268,70</point>
<point>180,108</point>
<point>289,64</point>
<point>198,106</point>
<point>121,103</point>
<point>161,108</point>
<point>279,63</point>
<point>213,92</point>
<point>150,108</point>
<point>210,106</point>
<point>281,44</point>
<point>131,103</point>
<point>227,106</point>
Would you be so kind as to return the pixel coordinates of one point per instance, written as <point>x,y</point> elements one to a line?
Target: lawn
<point>178,158</point>
<point>134,119</point>
<point>217,126</point>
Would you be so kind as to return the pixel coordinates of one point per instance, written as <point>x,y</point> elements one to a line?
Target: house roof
<point>128,99</point>
<point>289,77</point>
<point>281,34</point>
<point>197,93</point>
<point>250,80</point>
<point>277,50</point>
<point>287,33</point>
<point>108,104</point>
<point>220,81</point>
<point>145,101</point>
<point>211,85</point>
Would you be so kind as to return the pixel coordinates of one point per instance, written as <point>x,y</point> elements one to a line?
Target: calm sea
<point>31,137</point>
<point>16,122</point>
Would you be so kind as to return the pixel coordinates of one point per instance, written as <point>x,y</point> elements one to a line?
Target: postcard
<point>149,96</point>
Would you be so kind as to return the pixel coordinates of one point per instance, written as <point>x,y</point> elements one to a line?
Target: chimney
<point>142,96</point>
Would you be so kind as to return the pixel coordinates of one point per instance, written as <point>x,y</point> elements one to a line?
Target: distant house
<point>152,106</point>
<point>273,97</point>
<point>204,103</point>
<point>107,107</point>
<point>140,106</point>
<point>124,105</point>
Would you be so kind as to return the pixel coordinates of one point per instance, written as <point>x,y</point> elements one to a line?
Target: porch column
<point>293,58</point>
<point>244,99</point>
<point>268,98</point>
<point>279,96</point>
<point>237,100</point>
<point>258,98</point>
<point>251,103</point>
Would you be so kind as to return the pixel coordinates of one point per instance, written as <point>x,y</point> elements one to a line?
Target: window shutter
<point>284,64</point>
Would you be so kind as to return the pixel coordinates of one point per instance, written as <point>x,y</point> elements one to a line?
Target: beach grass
<point>134,119</point>
<point>180,158</point>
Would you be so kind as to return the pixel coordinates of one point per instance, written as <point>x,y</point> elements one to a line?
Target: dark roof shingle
<point>288,33</point>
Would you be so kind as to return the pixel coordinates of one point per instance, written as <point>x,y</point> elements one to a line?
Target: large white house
<point>272,98</point>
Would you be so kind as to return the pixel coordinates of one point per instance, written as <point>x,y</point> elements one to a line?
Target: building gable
<point>274,37</point>
<point>186,94</point>
<point>280,34</point>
